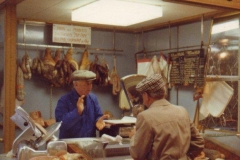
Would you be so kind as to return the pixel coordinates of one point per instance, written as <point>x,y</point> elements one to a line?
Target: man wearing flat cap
<point>163,131</point>
<point>79,109</point>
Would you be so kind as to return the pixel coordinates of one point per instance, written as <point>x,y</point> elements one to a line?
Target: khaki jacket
<point>162,133</point>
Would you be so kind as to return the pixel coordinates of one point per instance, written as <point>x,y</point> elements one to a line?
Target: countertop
<point>3,157</point>
<point>227,141</point>
<point>94,148</point>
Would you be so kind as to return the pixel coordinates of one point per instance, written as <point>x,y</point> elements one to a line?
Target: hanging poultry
<point>20,85</point>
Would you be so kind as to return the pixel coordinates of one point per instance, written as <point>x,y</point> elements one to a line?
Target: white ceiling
<point>59,11</point>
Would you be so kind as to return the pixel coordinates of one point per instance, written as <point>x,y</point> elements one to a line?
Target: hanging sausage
<point>20,85</point>
<point>26,66</point>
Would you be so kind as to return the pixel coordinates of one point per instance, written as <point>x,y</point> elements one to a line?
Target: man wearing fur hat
<point>163,131</point>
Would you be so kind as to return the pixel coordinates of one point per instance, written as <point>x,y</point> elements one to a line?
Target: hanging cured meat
<point>85,62</point>
<point>59,79</point>
<point>26,66</point>
<point>114,79</point>
<point>34,65</point>
<point>54,69</point>
<point>20,85</point>
<point>57,55</point>
<point>47,65</point>
<point>64,72</point>
<point>101,70</point>
<point>106,79</point>
<point>69,58</point>
<point>47,59</point>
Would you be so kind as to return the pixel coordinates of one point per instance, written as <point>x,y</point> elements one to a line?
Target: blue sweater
<point>74,125</point>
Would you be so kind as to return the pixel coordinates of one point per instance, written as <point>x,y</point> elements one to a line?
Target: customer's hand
<point>100,124</point>
<point>201,156</point>
<point>80,104</point>
<point>133,131</point>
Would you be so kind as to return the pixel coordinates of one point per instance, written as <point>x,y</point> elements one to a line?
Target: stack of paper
<point>124,120</point>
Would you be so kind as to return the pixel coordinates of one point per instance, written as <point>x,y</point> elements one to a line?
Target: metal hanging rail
<point>24,45</point>
<point>169,49</point>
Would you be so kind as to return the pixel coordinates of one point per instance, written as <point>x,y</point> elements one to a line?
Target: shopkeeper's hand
<point>100,124</point>
<point>80,104</point>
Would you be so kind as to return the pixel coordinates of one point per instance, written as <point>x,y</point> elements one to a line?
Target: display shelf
<point>221,78</point>
<point>226,144</point>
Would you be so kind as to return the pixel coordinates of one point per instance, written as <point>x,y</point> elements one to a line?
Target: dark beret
<point>83,75</point>
<point>153,83</point>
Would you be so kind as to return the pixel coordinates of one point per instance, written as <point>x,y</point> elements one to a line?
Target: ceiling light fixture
<point>116,12</point>
<point>226,26</point>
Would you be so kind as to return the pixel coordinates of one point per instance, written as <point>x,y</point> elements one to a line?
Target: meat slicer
<point>33,136</point>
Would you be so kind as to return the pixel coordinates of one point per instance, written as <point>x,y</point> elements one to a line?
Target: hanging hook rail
<point>169,34</point>
<point>143,40</point>
<point>169,49</point>
<point>114,41</point>
<point>67,47</point>
<point>140,52</point>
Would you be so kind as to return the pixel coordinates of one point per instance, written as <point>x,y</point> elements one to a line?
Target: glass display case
<point>222,67</point>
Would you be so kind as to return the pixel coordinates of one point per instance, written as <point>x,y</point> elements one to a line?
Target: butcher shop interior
<point>192,44</point>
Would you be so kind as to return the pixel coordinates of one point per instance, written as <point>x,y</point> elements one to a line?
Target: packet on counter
<point>10,154</point>
<point>108,138</point>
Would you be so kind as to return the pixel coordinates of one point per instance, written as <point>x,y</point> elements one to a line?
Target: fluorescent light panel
<point>116,12</point>
<point>226,26</point>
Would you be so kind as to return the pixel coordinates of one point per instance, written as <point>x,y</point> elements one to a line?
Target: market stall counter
<point>97,148</point>
<point>89,149</point>
<point>37,143</point>
<point>224,142</point>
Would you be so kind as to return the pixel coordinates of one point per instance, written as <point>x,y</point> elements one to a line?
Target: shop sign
<point>71,34</point>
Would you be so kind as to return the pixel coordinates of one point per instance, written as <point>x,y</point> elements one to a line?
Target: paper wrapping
<point>143,65</point>
<point>216,97</point>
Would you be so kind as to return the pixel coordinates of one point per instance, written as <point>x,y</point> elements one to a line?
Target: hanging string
<point>50,105</point>
<point>169,35</point>
<point>114,43</point>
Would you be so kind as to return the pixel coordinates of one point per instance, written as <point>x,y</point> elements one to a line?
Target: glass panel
<point>228,120</point>
<point>222,64</point>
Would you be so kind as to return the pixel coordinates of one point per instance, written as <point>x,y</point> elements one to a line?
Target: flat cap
<point>153,83</point>
<point>83,75</point>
